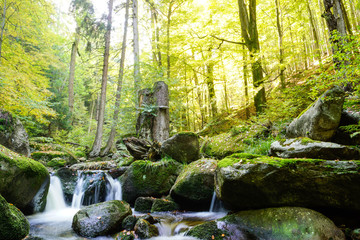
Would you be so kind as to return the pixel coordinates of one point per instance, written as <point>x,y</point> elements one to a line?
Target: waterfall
<point>78,193</point>
<point>113,189</point>
<point>216,204</point>
<point>212,202</point>
<point>55,199</point>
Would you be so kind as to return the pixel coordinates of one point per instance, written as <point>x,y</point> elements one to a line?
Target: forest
<point>179,119</point>
<point>65,70</point>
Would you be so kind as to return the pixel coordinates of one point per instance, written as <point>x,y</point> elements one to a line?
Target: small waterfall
<point>212,202</point>
<point>216,204</point>
<point>55,199</point>
<point>78,193</point>
<point>113,189</point>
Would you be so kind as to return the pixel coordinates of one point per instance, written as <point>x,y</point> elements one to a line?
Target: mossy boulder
<point>46,157</point>
<point>144,229</point>
<point>101,219</point>
<point>56,163</point>
<point>307,148</point>
<point>273,223</point>
<point>21,179</point>
<point>221,146</point>
<point>164,205</point>
<point>13,134</point>
<point>149,179</point>
<point>68,178</point>
<point>194,187</point>
<point>245,181</point>
<point>144,204</point>
<point>129,222</point>
<point>102,165</point>
<point>13,223</point>
<point>321,119</point>
<point>183,147</point>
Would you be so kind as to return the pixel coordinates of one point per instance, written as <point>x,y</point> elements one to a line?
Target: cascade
<point>55,199</point>
<point>216,205</point>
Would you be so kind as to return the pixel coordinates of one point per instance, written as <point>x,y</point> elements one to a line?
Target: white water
<point>113,189</point>
<point>79,192</point>
<point>55,198</point>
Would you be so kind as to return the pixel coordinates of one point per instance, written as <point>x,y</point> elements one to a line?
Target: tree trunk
<point>99,130</point>
<point>2,29</point>
<point>323,25</point>
<point>354,15</point>
<point>168,39</point>
<point>137,76</point>
<point>74,51</point>
<point>246,86</point>
<point>211,88</point>
<point>281,49</point>
<point>249,33</point>
<point>111,139</point>
<point>160,127</point>
<point>145,118</point>
<point>315,34</point>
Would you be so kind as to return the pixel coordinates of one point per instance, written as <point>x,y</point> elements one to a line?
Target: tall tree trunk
<point>246,86</point>
<point>314,31</point>
<point>211,88</point>
<point>155,34</point>
<point>323,25</point>
<point>168,38</point>
<point>2,29</point>
<point>281,48</point>
<point>74,51</point>
<point>354,15</point>
<point>200,100</point>
<point>111,139</point>
<point>99,130</point>
<point>137,75</point>
<point>249,33</point>
<point>160,127</point>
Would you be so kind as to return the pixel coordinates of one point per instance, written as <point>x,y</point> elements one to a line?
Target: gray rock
<point>307,148</point>
<point>261,182</point>
<point>149,179</point>
<point>68,178</point>
<point>13,223</point>
<point>273,224</point>
<point>349,125</point>
<point>194,187</point>
<point>21,179</point>
<point>144,204</point>
<point>101,219</point>
<point>321,120</point>
<point>13,134</point>
<point>164,205</point>
<point>183,147</point>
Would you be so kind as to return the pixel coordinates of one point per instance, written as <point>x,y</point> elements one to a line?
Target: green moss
<point>305,141</point>
<point>222,145</point>
<point>244,158</point>
<point>208,231</point>
<point>192,134</point>
<point>56,163</point>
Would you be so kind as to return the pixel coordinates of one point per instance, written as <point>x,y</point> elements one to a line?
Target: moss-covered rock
<point>145,230</point>
<point>125,235</point>
<point>245,181</point>
<point>56,163</point>
<point>194,186</point>
<point>164,205</point>
<point>149,179</point>
<point>102,165</point>
<point>183,147</point>
<point>21,178</point>
<point>101,219</point>
<point>129,222</point>
<point>13,135</point>
<point>13,223</point>
<point>144,204</point>
<point>272,223</point>
<point>222,145</point>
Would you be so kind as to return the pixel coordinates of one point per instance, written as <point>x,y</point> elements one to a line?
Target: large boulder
<point>21,179</point>
<point>149,179</point>
<point>321,120</point>
<point>13,223</point>
<point>145,230</point>
<point>194,187</point>
<point>251,181</point>
<point>101,219</point>
<point>13,134</point>
<point>307,148</point>
<point>183,147</point>
<point>68,178</point>
<point>273,223</point>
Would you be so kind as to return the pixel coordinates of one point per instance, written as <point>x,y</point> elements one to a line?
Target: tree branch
<point>228,41</point>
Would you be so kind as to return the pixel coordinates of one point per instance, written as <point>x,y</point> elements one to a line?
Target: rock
<point>194,187</point>
<point>125,236</point>
<point>149,179</point>
<point>273,223</point>
<point>94,187</point>
<point>101,219</point>
<point>129,222</point>
<point>245,181</point>
<point>56,163</point>
<point>13,223</point>
<point>321,120</point>
<point>46,157</point>
<point>145,230</point>
<point>117,172</point>
<point>149,218</point>
<point>68,178</point>
<point>21,179</point>
<point>138,148</point>
<point>307,148</point>
<point>103,165</point>
<point>38,203</point>
<point>144,204</point>
<point>164,205</point>
<point>183,147</point>
<point>355,234</point>
<point>349,125</point>
<point>13,135</point>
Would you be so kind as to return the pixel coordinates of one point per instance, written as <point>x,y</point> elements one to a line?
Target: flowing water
<point>55,222</point>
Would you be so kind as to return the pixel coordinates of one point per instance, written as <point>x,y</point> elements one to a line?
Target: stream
<point>55,222</point>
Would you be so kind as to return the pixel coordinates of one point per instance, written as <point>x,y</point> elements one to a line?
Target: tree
<point>137,74</point>
<point>99,131</point>
<point>111,139</point>
<point>249,33</point>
